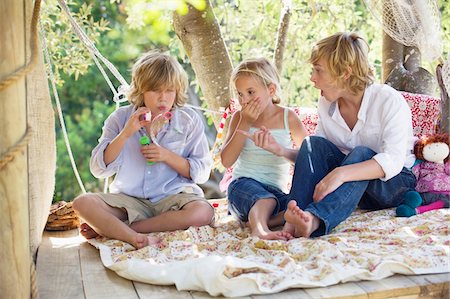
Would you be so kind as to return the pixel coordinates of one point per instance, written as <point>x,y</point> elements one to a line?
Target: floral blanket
<point>225,260</point>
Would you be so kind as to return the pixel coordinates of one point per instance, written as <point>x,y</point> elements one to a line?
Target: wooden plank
<point>394,286</point>
<point>150,291</point>
<point>204,295</point>
<point>100,282</point>
<point>345,290</point>
<point>433,285</point>
<point>287,294</point>
<point>58,266</point>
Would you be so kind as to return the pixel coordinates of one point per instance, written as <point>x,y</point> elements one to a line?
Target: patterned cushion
<point>425,112</point>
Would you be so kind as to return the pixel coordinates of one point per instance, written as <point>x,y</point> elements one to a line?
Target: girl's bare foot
<point>303,223</point>
<point>273,235</point>
<point>87,231</point>
<point>141,241</point>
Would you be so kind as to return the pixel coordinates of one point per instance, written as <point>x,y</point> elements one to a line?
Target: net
<point>412,23</point>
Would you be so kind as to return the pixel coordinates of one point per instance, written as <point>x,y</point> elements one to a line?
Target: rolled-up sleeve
<point>199,158</point>
<point>396,128</point>
<point>97,164</point>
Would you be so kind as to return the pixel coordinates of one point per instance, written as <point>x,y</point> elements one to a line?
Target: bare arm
<point>242,120</point>
<point>234,142</point>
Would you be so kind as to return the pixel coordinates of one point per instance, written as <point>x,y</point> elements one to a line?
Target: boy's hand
<point>155,153</point>
<point>263,139</point>
<point>328,184</point>
<point>136,121</point>
<point>251,111</point>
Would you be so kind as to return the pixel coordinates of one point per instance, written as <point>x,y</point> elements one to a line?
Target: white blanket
<point>225,261</point>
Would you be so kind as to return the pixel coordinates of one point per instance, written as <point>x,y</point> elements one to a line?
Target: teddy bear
<point>433,177</point>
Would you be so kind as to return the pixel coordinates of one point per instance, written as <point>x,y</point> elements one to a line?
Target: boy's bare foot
<point>273,235</point>
<point>303,223</point>
<point>87,231</point>
<point>141,241</point>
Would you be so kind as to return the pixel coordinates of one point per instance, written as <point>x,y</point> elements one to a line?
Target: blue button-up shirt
<point>183,135</point>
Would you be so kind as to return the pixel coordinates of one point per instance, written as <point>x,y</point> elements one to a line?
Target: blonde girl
<point>257,193</point>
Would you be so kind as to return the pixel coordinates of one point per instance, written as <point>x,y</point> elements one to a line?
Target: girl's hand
<point>328,184</point>
<point>263,139</point>
<point>155,153</point>
<point>136,121</point>
<point>251,111</point>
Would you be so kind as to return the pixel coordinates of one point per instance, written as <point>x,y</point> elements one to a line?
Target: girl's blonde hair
<point>342,52</point>
<point>261,69</point>
<point>153,71</point>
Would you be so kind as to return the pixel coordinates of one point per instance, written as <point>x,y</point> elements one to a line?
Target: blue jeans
<point>316,158</point>
<point>244,192</point>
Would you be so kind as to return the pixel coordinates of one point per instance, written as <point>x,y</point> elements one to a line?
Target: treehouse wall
<point>14,222</point>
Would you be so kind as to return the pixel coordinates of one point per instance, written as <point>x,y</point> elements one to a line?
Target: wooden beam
<point>15,258</point>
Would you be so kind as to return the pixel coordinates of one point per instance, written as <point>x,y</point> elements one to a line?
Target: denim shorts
<point>243,193</point>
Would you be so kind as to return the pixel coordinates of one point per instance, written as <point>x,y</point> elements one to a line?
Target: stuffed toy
<point>433,177</point>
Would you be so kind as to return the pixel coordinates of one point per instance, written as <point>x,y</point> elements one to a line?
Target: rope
<point>13,151</point>
<point>59,109</point>
<point>118,95</point>
<point>34,287</point>
<point>10,79</point>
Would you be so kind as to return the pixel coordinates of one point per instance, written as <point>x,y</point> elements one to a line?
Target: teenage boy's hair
<point>154,71</point>
<point>261,69</point>
<point>345,51</point>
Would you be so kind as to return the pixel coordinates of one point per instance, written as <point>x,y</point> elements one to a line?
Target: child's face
<point>160,101</point>
<point>323,80</point>
<point>250,88</point>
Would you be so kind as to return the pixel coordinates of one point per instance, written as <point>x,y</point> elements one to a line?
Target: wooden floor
<point>68,267</point>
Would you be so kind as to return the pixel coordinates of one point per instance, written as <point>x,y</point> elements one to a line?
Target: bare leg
<point>258,219</point>
<point>195,213</point>
<point>298,222</point>
<point>276,220</point>
<point>107,221</point>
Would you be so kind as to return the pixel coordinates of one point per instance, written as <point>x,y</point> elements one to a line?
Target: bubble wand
<point>155,127</point>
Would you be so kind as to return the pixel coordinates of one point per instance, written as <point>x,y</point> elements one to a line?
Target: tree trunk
<point>14,236</point>
<point>444,125</point>
<point>401,66</point>
<point>282,31</point>
<point>201,37</point>
<point>42,147</point>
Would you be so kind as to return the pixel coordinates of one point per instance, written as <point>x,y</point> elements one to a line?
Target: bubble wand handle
<point>145,140</point>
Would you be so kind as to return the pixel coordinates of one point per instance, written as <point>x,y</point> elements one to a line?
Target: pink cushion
<point>425,112</point>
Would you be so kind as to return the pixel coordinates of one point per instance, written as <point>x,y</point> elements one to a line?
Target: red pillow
<point>425,112</point>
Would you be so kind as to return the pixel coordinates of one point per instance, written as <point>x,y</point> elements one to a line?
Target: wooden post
<point>14,233</point>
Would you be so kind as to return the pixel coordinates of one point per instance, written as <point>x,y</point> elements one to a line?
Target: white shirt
<point>384,125</point>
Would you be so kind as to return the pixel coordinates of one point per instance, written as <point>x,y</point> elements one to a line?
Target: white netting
<point>411,23</point>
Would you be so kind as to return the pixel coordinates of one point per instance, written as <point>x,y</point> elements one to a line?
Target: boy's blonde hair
<point>155,70</point>
<point>261,69</point>
<point>341,52</point>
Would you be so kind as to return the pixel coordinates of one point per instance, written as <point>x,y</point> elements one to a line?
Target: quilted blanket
<point>226,260</point>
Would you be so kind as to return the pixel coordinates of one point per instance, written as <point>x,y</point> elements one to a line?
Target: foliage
<point>83,132</point>
<point>65,48</point>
